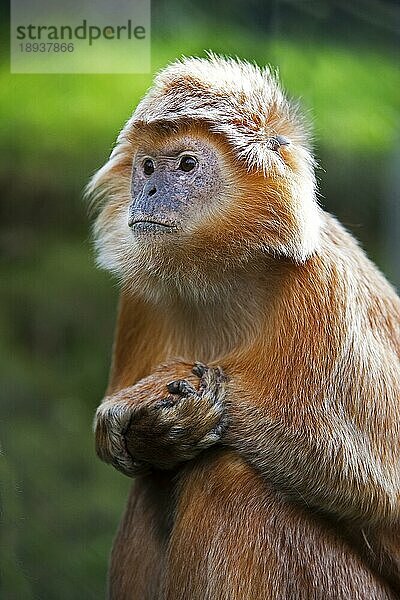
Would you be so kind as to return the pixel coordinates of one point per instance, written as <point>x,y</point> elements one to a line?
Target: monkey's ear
<point>277,141</point>
<point>287,166</point>
<point>306,213</point>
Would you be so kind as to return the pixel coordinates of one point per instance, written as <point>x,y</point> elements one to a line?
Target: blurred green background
<point>59,505</point>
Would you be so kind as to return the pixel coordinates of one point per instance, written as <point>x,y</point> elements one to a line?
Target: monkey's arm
<point>319,458</point>
<point>140,423</point>
<point>315,454</point>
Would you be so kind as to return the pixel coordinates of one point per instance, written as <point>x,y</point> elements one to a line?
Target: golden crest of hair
<point>237,99</point>
<point>234,98</point>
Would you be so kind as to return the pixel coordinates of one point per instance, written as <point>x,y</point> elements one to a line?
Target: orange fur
<point>304,500</point>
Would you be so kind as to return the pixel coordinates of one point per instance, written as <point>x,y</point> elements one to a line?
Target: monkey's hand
<point>161,423</point>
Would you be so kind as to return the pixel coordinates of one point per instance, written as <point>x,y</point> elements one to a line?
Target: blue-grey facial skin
<point>183,178</point>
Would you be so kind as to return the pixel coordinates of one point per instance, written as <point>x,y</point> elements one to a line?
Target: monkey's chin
<point>151,228</point>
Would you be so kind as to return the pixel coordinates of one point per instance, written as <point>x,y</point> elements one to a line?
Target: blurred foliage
<point>344,89</point>
<point>60,505</point>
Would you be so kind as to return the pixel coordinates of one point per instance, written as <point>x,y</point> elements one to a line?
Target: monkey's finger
<point>168,402</point>
<point>181,387</point>
<point>221,377</point>
<point>208,378</point>
<point>199,369</point>
<point>212,378</point>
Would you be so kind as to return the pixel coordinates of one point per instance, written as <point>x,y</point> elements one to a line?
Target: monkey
<point>254,393</point>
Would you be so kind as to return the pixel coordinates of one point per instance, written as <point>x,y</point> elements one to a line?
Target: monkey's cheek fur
<point>164,432</point>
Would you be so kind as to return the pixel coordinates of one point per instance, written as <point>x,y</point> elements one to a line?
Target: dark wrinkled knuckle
<point>174,386</point>
<point>176,432</point>
<point>165,403</point>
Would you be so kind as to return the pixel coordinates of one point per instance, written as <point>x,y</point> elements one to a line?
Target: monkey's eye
<point>148,166</point>
<point>187,163</point>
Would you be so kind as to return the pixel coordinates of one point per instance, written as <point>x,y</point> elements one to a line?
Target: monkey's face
<point>167,216</point>
<point>182,207</point>
<point>173,186</point>
<point>211,175</point>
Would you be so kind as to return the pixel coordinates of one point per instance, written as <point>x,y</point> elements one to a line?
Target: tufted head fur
<point>269,207</point>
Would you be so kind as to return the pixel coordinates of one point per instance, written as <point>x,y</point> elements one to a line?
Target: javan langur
<point>255,385</point>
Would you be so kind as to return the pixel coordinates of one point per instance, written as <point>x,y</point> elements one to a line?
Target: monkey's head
<point>212,173</point>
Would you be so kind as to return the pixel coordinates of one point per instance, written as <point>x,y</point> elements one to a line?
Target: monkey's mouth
<point>151,226</point>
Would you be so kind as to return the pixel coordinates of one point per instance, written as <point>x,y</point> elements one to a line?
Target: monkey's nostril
<point>152,191</point>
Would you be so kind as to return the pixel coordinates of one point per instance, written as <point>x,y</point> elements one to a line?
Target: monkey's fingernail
<point>165,403</point>
<point>199,369</point>
<point>221,377</point>
<point>174,387</point>
<point>181,387</point>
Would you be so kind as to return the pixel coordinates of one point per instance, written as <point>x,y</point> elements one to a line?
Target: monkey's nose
<point>152,191</point>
